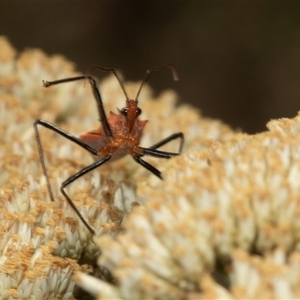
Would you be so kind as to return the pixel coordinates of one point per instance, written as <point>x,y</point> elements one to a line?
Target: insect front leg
<point>96,93</point>
<point>155,153</point>
<point>147,166</point>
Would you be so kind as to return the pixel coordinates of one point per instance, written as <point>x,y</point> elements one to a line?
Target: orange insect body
<point>118,135</point>
<point>126,132</point>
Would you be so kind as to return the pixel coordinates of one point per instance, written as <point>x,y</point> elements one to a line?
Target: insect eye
<point>124,111</point>
<point>138,111</point>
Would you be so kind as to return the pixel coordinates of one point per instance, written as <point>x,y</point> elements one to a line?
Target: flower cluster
<point>223,203</point>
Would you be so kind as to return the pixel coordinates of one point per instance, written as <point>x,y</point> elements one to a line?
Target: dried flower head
<point>219,204</point>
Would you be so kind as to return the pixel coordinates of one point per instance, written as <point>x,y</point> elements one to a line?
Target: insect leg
<point>172,137</point>
<point>147,166</point>
<point>97,96</point>
<point>75,177</point>
<point>62,133</point>
<point>155,153</point>
<point>158,153</point>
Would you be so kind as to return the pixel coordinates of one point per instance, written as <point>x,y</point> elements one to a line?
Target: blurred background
<point>237,61</point>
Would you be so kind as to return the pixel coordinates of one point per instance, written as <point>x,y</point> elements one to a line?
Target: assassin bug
<point>118,135</point>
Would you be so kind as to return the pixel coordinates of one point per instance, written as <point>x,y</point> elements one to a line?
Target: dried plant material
<point>241,193</point>
<point>275,276</point>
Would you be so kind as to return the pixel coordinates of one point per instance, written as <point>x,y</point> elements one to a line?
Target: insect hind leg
<point>75,177</point>
<point>82,172</point>
<point>61,132</point>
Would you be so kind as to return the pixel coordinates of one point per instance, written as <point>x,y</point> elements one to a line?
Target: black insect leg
<point>172,137</point>
<point>75,177</point>
<point>62,133</point>
<point>97,96</point>
<point>155,153</point>
<point>149,167</point>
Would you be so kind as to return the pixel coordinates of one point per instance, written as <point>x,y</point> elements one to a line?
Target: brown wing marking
<point>94,139</point>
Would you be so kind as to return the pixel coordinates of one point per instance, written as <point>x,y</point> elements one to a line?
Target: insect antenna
<point>150,71</point>
<point>114,72</point>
